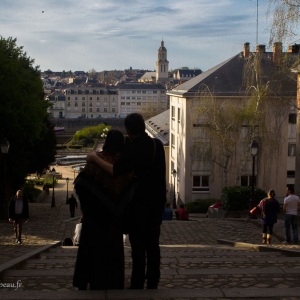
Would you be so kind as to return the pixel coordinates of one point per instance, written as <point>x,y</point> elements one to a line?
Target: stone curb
<point>239,293</point>
<point>260,248</point>
<point>16,261</point>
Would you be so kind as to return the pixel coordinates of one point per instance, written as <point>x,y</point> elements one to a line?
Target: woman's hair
<point>114,142</point>
<point>271,193</point>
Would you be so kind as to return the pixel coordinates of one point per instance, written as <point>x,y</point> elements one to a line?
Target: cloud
<point>113,33</point>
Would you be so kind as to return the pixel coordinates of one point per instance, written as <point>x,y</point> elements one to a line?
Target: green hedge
<point>237,198</point>
<point>199,205</point>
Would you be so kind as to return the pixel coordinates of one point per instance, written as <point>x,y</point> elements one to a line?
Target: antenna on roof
<point>256,22</point>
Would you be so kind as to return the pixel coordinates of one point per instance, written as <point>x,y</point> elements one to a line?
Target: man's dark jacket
<point>11,208</point>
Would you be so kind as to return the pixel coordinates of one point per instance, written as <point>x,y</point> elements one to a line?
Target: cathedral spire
<point>162,64</point>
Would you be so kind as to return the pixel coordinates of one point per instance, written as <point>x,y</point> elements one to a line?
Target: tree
<point>261,108</point>
<point>285,15</point>
<point>24,119</point>
<point>151,109</point>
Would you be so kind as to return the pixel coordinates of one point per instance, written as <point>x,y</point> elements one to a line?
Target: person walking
<point>291,206</point>
<point>269,209</point>
<point>18,213</point>
<point>72,205</point>
<point>146,158</point>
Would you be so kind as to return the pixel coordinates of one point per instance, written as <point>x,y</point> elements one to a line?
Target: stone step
<point>161,294</point>
<point>203,267</point>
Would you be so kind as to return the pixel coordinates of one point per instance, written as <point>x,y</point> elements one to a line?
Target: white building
<point>86,102</point>
<point>134,97</point>
<point>199,176</point>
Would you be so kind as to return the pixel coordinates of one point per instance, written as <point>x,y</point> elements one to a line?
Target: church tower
<point>162,65</point>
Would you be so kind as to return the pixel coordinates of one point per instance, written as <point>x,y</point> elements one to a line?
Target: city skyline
<point>108,35</point>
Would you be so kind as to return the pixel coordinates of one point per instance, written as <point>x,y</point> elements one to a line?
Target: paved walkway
<point>201,237</point>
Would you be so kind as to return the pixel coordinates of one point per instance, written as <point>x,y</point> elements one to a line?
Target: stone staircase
<point>188,272</point>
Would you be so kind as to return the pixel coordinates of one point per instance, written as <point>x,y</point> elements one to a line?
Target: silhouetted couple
<point>121,190</point>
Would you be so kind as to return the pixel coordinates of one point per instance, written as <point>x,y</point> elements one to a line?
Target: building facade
<point>201,170</point>
<point>138,97</point>
<point>85,102</point>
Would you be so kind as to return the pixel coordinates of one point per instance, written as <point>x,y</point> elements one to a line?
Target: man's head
<point>19,194</point>
<point>135,125</point>
<point>290,189</point>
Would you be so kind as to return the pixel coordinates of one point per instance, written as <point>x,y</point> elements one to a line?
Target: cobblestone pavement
<point>192,256</point>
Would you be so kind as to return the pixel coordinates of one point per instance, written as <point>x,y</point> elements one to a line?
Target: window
<point>178,111</point>
<point>69,98</point>
<point>113,109</point>
<point>246,180</point>
<point>91,110</point>
<point>105,109</point>
<point>292,118</point>
<point>201,183</point>
<point>83,98</point>
<point>290,174</point>
<point>173,113</point>
<point>173,140</point>
<point>91,98</point>
<point>83,104</point>
<point>292,150</point>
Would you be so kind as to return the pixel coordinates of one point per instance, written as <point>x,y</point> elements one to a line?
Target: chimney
<point>261,48</point>
<point>277,53</point>
<point>294,48</point>
<point>246,50</point>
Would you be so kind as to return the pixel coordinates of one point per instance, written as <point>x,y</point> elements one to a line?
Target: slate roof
<point>141,86</point>
<point>159,126</point>
<point>227,78</point>
<point>191,73</point>
<point>57,94</point>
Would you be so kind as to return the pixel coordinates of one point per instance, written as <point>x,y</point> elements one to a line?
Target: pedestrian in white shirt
<point>76,237</point>
<point>291,206</point>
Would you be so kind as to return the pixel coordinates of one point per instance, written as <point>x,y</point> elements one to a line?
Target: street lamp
<point>53,197</point>
<point>4,144</point>
<point>174,173</point>
<point>67,180</point>
<point>253,151</point>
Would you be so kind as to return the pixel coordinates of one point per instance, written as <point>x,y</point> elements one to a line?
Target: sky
<point>81,35</point>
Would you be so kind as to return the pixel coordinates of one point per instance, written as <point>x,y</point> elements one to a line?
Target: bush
<point>30,192</point>
<point>237,198</point>
<point>199,205</point>
<point>88,135</point>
